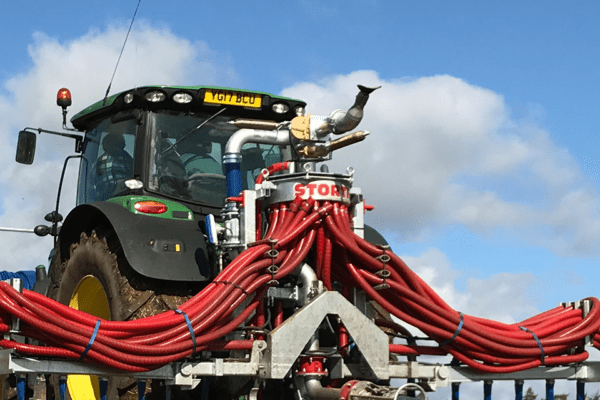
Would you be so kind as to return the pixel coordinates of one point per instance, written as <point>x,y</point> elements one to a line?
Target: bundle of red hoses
<point>553,337</point>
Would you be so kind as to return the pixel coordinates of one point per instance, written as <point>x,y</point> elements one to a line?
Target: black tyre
<point>92,280</point>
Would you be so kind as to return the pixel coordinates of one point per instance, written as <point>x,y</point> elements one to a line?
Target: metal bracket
<point>289,295</point>
<point>588,371</point>
<point>585,306</point>
<point>287,341</point>
<point>15,326</point>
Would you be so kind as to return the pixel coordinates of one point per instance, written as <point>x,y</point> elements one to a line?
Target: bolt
<point>443,372</point>
<point>186,369</point>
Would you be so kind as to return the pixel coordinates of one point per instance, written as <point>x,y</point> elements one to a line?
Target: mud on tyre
<point>93,279</point>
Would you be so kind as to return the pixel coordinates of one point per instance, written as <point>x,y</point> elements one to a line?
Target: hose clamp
<point>272,269</point>
<point>383,273</point>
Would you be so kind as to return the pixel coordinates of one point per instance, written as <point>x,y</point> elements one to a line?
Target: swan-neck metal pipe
<point>344,121</point>
<point>232,158</point>
<point>316,391</point>
<point>243,136</point>
<point>308,283</point>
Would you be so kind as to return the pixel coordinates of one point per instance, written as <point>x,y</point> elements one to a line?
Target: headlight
<point>155,96</point>
<point>182,98</point>
<point>280,108</point>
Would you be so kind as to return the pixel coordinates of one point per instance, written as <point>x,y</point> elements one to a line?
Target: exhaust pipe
<point>341,121</point>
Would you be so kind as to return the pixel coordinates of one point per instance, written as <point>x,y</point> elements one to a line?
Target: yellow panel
<point>88,296</point>
<point>233,98</point>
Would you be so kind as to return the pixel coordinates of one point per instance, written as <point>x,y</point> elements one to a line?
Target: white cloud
<point>502,297</point>
<point>85,66</point>
<point>427,133</point>
<point>445,152</point>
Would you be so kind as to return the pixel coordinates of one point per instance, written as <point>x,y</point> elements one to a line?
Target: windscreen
<point>186,157</point>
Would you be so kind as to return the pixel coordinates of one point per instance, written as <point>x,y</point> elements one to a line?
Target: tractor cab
<point>152,168</point>
<point>169,142</point>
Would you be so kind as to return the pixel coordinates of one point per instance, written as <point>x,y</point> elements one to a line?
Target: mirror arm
<point>78,138</point>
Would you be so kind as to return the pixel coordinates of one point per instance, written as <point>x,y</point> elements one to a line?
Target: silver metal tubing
<point>16,230</point>
<point>307,278</point>
<point>316,391</point>
<point>243,136</point>
<point>341,121</point>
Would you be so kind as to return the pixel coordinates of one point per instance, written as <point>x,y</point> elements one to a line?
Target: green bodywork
<point>175,210</point>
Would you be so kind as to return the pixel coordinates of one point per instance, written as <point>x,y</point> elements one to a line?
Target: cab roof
<point>238,102</point>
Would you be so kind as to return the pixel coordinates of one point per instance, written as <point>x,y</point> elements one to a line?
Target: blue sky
<point>483,161</point>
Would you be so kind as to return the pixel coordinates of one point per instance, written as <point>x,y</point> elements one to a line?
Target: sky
<point>482,162</point>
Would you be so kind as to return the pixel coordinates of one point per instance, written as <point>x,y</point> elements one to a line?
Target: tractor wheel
<point>91,280</point>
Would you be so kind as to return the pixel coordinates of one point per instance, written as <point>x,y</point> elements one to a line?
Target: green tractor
<point>151,170</point>
<point>170,192</point>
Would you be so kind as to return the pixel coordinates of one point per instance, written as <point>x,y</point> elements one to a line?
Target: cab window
<point>107,161</point>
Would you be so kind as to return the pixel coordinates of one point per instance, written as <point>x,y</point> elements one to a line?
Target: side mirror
<point>26,147</point>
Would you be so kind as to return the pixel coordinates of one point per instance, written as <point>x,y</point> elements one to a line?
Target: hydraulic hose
<point>237,295</point>
<point>413,301</point>
<point>150,342</point>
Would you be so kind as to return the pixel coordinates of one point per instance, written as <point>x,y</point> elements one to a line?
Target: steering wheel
<point>172,185</point>
<point>208,187</point>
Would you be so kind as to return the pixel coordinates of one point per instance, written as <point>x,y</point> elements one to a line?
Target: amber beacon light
<point>63,98</point>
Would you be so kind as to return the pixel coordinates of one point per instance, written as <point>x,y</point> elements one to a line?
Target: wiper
<point>194,130</point>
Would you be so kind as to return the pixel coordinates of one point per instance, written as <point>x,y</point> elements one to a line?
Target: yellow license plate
<point>229,97</point>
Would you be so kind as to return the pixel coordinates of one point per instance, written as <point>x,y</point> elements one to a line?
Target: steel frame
<point>276,357</point>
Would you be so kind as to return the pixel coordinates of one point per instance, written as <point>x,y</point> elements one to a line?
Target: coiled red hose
<point>148,343</point>
<point>482,344</point>
<point>550,338</point>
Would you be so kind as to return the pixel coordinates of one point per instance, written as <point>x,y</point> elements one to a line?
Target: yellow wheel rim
<point>88,296</point>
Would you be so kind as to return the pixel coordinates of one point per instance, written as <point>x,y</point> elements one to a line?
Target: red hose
<point>278,314</point>
<point>416,350</point>
<point>282,166</point>
<point>550,338</point>
<point>495,343</point>
<point>260,319</point>
<point>320,252</point>
<point>207,311</point>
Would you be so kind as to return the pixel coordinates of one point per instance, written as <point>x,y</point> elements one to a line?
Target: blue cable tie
<point>460,325</point>
<point>103,384</point>
<point>62,388</point>
<point>538,342</point>
<point>21,387</point>
<point>189,325</point>
<point>89,346</point>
